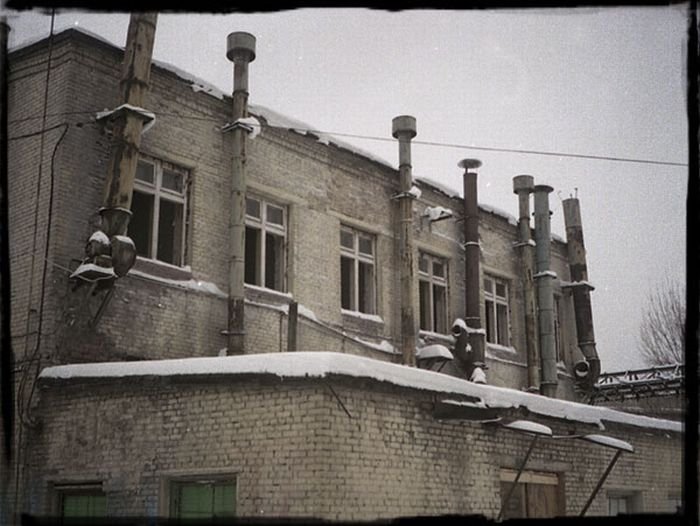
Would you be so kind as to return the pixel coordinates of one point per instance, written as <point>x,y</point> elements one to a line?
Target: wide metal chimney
<point>241,51</point>
<point>587,372</point>
<point>109,253</point>
<point>403,128</point>
<point>545,292</point>
<point>523,186</point>
<point>471,332</point>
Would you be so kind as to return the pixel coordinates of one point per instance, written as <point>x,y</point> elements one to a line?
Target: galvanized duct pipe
<point>587,371</point>
<point>545,294</point>
<point>403,128</point>
<point>475,336</point>
<point>240,50</point>
<point>523,185</point>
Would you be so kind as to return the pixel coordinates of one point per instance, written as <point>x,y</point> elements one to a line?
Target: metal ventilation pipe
<point>587,372</point>
<point>523,185</point>
<point>472,284</point>
<point>545,293</point>
<point>109,253</point>
<point>403,128</point>
<point>240,50</point>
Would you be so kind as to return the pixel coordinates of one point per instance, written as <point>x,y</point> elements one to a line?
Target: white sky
<point>607,82</point>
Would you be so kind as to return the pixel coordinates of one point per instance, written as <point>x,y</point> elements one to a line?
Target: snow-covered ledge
<point>323,364</point>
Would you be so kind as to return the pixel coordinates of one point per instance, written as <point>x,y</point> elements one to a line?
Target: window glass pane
<point>438,269</point>
<point>84,505</point>
<point>173,181</point>
<point>145,172</point>
<point>225,499</point>
<point>195,501</point>
<point>365,245</point>
<point>423,263</point>
<point>347,283</point>
<point>439,309</point>
<point>366,288</point>
<point>252,207</point>
<point>502,324</point>
<point>488,285</point>
<point>424,293</point>
<point>170,232</point>
<point>275,215</point>
<point>253,254</point>
<point>346,239</point>
<point>140,224</point>
<point>500,290</point>
<point>490,329</point>
<point>274,262</point>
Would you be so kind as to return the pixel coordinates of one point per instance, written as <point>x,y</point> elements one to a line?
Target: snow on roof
<point>278,120</point>
<point>449,192</point>
<point>323,364</point>
<point>501,213</point>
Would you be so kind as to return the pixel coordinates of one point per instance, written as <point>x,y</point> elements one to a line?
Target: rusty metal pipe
<point>403,128</point>
<point>240,51</point>
<point>472,284</point>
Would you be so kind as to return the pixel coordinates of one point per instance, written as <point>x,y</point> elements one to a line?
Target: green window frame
<point>82,503</point>
<point>203,499</point>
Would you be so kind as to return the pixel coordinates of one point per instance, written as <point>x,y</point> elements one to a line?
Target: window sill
<point>374,318</point>
<point>265,295</point>
<point>501,348</point>
<point>162,269</point>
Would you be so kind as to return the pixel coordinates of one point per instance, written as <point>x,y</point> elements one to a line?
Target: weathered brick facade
<point>391,457</point>
<point>295,450</point>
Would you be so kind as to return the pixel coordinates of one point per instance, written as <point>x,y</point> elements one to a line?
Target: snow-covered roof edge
<point>322,364</point>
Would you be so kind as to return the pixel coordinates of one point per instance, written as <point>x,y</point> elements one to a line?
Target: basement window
<point>357,271</point>
<point>203,499</point>
<point>432,287</point>
<point>87,501</point>
<point>623,502</point>
<point>265,244</point>
<point>496,303</point>
<point>158,207</point>
<point>536,495</point>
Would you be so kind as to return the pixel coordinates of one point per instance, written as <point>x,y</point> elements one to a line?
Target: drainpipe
<point>588,370</point>
<point>475,336</point>
<point>545,294</point>
<point>241,51</point>
<point>523,186</point>
<point>109,253</point>
<point>403,128</point>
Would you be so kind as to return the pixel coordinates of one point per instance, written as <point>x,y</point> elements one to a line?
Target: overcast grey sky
<point>607,82</point>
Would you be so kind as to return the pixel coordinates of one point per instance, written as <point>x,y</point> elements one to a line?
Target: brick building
<point>349,433</point>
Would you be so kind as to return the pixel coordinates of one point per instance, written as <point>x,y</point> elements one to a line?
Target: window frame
<point>158,192</point>
<point>175,486</point>
<point>631,498</point>
<point>432,280</point>
<point>268,228</point>
<point>356,256</point>
<point>61,491</point>
<point>491,297</point>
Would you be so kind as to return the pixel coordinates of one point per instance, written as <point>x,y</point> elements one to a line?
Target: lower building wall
<point>333,448</point>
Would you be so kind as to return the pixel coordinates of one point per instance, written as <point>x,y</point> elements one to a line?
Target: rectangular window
<point>537,495</point>
<point>357,271</point>
<point>265,244</point>
<point>622,502</point>
<point>432,291</point>
<point>82,502</point>
<point>496,307</point>
<point>203,499</point>
<point>158,207</point>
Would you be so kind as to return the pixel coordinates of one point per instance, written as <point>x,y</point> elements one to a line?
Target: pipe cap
<point>403,124</point>
<point>240,47</point>
<point>469,163</point>
<point>523,183</point>
<point>543,188</point>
